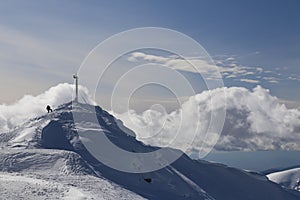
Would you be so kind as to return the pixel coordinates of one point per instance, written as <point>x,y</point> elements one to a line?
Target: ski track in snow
<point>193,185</point>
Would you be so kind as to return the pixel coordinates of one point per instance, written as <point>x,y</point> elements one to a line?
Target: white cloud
<point>231,76</point>
<point>249,80</point>
<point>31,106</point>
<point>230,65</point>
<point>294,77</point>
<point>259,69</point>
<point>255,121</point>
<point>226,66</point>
<point>249,73</point>
<point>191,64</point>
<point>136,55</point>
<point>271,79</point>
<point>230,59</point>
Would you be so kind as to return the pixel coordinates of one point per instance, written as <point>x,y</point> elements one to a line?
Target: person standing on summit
<point>49,109</point>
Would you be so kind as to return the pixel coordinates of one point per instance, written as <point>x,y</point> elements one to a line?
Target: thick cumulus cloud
<point>255,120</point>
<point>31,106</point>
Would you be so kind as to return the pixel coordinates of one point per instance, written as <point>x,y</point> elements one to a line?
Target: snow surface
<point>21,186</point>
<point>287,178</point>
<point>45,158</point>
<point>53,174</point>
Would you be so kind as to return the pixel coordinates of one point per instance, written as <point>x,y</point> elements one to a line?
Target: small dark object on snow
<point>49,109</point>
<point>148,180</point>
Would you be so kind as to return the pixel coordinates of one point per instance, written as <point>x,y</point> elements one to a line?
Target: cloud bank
<point>255,120</point>
<point>32,106</point>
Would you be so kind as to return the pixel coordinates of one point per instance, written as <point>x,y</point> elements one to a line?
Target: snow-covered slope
<point>16,186</point>
<point>287,178</point>
<point>48,150</point>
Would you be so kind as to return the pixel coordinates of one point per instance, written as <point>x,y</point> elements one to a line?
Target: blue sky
<point>43,42</point>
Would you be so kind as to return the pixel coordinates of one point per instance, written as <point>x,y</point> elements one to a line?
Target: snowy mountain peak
<point>50,145</point>
<point>287,178</point>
